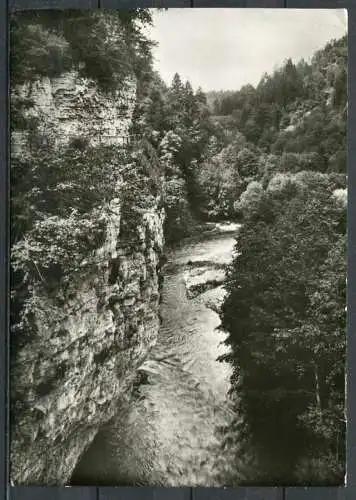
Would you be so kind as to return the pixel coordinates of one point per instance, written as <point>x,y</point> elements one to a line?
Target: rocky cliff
<point>89,336</point>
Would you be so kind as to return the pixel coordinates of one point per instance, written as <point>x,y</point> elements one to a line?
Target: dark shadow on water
<point>94,469</point>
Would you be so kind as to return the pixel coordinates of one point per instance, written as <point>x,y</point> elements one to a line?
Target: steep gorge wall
<point>67,381</point>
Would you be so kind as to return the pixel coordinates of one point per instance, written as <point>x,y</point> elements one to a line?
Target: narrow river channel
<point>169,434</point>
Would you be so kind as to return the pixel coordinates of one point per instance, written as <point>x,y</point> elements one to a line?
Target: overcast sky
<point>223,49</point>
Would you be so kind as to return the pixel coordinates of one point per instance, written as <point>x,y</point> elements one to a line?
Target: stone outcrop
<point>73,107</point>
<point>199,279</point>
<point>67,382</point>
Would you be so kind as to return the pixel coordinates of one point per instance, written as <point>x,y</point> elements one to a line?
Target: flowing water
<point>169,433</point>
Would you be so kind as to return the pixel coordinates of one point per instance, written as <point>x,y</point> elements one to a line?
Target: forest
<point>272,157</point>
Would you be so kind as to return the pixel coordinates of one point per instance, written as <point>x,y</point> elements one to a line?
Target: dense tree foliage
<point>294,120</point>
<point>177,122</point>
<point>286,288</point>
<point>106,48</point>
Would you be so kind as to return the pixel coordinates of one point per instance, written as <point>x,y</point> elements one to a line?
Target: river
<point>169,432</point>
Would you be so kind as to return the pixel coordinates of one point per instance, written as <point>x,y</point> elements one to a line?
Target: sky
<point>223,49</point>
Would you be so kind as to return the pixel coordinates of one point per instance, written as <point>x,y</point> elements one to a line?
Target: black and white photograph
<point>178,255</point>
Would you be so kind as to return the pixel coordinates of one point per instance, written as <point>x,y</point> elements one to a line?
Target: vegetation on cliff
<point>84,252</point>
<point>59,193</point>
<point>105,47</point>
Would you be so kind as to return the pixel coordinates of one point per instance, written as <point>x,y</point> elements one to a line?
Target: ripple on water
<point>169,433</point>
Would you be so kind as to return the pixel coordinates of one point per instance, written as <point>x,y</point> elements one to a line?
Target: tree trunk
<point>317,390</point>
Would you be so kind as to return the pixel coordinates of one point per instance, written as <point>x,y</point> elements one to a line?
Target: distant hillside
<point>293,120</point>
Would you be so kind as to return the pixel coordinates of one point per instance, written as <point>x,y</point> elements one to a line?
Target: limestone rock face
<point>73,107</point>
<point>67,382</point>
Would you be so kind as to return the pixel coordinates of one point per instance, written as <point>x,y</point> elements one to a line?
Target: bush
<point>37,52</point>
